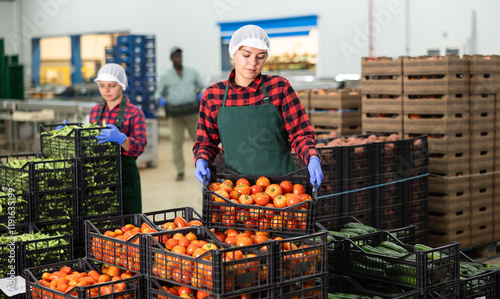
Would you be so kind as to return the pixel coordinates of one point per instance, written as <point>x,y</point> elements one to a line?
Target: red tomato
<point>180,222</point>
<point>273,190</point>
<point>256,189</point>
<point>242,181</point>
<point>246,199</point>
<point>305,196</point>
<point>262,198</point>
<point>263,182</point>
<point>280,201</point>
<point>286,186</point>
<point>292,199</point>
<point>298,189</point>
<point>242,189</point>
<point>185,290</point>
<point>202,294</point>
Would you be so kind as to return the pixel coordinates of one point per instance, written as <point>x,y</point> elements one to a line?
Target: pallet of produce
<point>338,99</point>
<point>82,278</point>
<point>482,140</point>
<point>382,122</point>
<point>36,173</point>
<point>75,140</point>
<point>482,120</point>
<point>382,103</point>
<point>436,65</point>
<point>339,121</point>
<point>484,64</point>
<point>436,84</point>
<point>484,83</point>
<point>164,290</point>
<point>25,246</point>
<point>381,66</point>
<point>450,163</point>
<point>194,257</point>
<point>483,101</point>
<point>444,142</point>
<point>421,104</point>
<point>386,259</point>
<point>440,123</point>
<point>119,240</point>
<point>279,203</point>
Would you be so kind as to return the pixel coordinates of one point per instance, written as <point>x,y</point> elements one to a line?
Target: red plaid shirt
<point>133,125</point>
<point>281,94</point>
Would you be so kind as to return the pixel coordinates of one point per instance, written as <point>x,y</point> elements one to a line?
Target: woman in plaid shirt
<point>127,127</point>
<point>257,118</point>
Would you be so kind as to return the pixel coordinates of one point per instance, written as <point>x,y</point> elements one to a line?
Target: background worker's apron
<point>131,180</point>
<point>254,138</point>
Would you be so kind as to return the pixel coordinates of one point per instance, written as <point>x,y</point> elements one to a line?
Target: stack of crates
<point>137,54</point>
<point>496,176</point>
<point>382,89</point>
<point>436,104</point>
<point>484,84</point>
<point>98,183</point>
<point>336,110</point>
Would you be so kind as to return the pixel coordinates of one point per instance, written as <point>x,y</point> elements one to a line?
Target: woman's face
<point>110,91</point>
<point>248,63</point>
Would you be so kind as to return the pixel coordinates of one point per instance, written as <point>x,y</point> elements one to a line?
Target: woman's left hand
<point>111,135</point>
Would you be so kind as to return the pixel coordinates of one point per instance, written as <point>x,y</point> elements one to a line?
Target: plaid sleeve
<point>297,124</point>
<point>137,134</point>
<point>207,141</point>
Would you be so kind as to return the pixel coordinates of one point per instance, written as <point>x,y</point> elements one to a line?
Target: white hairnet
<point>112,72</point>
<point>251,36</point>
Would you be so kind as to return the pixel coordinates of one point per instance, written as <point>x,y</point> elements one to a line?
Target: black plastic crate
<point>30,253</point>
<point>417,214</point>
<point>417,184</point>
<point>159,218</point>
<point>363,216</point>
<point>156,289</point>
<point>389,190</point>
<point>421,270</point>
<point>482,284</point>
<point>226,213</point>
<point>356,161</point>
<point>78,143</point>
<point>357,195</point>
<point>301,257</point>
<point>100,201</point>
<point>51,206</point>
<point>389,217</point>
<point>310,288</point>
<point>417,153</point>
<point>126,252</point>
<point>40,176</point>
<point>388,156</point>
<point>14,206</point>
<point>369,288</point>
<point>132,287</point>
<point>328,206</point>
<point>214,271</point>
<point>99,172</point>
<point>449,290</point>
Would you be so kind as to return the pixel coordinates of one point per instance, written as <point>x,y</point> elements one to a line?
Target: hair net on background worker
<point>251,36</point>
<point>112,72</point>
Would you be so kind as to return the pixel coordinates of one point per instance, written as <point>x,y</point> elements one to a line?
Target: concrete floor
<point>160,191</point>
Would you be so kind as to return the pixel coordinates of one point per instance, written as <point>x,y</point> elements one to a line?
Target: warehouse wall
<point>8,23</point>
<point>342,26</point>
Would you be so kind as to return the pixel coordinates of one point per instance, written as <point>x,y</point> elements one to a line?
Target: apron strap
<point>120,114</point>
<point>225,94</point>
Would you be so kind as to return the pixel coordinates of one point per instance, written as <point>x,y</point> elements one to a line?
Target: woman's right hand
<point>202,170</point>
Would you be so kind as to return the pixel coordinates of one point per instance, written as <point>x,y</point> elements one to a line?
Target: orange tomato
<point>263,182</point>
<point>179,249</point>
<point>262,198</point>
<point>244,241</point>
<point>103,278</point>
<point>245,199</point>
<point>259,239</point>
<point>292,199</point>
<point>256,189</point>
<point>222,193</point>
<point>226,187</point>
<point>280,201</point>
<point>114,271</point>
<point>273,190</point>
<point>168,225</point>
<point>213,186</point>
<point>180,222</point>
<point>286,186</point>
<point>298,189</point>
<point>195,222</point>
<point>242,181</point>
<point>66,270</point>
<point>94,274</point>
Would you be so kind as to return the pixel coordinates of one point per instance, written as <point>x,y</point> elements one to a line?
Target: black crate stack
<point>98,182</point>
<point>137,54</point>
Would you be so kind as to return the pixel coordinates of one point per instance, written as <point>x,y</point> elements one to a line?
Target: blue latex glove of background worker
<point>62,126</point>
<point>315,172</point>
<point>162,102</point>
<point>111,135</point>
<point>202,170</point>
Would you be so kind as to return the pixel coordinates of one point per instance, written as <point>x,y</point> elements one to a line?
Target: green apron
<point>254,138</point>
<point>131,180</point>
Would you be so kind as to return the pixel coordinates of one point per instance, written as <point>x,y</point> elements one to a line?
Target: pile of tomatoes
<point>66,279</point>
<point>183,292</point>
<point>120,253</point>
<point>253,206</point>
<point>189,261</point>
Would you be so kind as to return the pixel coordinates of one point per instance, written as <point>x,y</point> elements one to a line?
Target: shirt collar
<point>253,86</point>
<point>117,106</point>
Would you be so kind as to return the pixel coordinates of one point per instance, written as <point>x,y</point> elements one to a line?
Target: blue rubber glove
<point>62,126</point>
<point>200,95</point>
<point>202,170</point>
<point>315,172</point>
<point>162,102</point>
<point>112,135</point>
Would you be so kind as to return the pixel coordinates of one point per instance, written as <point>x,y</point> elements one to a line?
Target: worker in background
<point>127,127</point>
<point>258,118</point>
<point>177,91</point>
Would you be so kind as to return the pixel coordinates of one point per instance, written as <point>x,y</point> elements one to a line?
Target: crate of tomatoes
<point>264,203</point>
<point>118,240</point>
<point>82,278</point>
<point>174,218</point>
<point>195,258</point>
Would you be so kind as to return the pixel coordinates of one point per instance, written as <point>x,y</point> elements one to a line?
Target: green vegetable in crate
<point>339,295</point>
<point>361,226</point>
<point>431,255</point>
<point>16,198</point>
